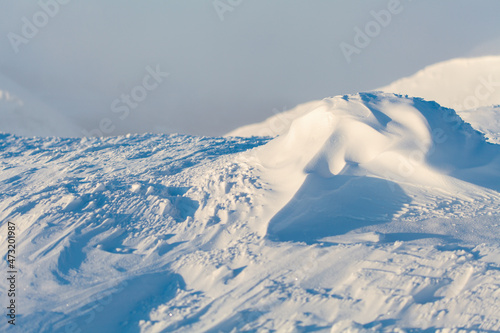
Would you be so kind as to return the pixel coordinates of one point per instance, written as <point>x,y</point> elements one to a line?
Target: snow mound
<point>318,230</point>
<point>358,159</point>
<point>24,114</point>
<point>460,84</point>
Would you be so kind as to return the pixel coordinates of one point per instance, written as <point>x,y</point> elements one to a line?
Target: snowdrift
<point>459,84</point>
<point>358,159</point>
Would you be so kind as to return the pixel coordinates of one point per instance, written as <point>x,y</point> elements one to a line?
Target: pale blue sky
<point>265,55</point>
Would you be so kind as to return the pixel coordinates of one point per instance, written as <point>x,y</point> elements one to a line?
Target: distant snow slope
<point>485,119</point>
<point>460,84</point>
<point>21,113</point>
<point>373,213</point>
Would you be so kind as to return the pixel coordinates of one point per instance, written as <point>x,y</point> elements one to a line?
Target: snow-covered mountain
<point>22,113</point>
<point>471,84</point>
<point>373,212</point>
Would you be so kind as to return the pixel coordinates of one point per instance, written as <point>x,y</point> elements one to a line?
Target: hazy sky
<point>263,55</point>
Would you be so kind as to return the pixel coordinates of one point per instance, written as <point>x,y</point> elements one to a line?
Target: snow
<point>461,84</point>
<point>468,85</point>
<point>371,212</point>
<point>276,124</point>
<point>364,157</point>
<point>485,119</point>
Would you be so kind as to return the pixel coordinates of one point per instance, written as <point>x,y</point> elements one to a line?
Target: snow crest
<point>471,86</point>
<point>359,159</point>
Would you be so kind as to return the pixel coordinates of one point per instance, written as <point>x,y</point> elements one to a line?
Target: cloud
<point>226,73</point>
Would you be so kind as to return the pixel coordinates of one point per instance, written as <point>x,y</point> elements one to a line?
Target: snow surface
<point>485,119</point>
<point>373,212</point>
<point>460,84</point>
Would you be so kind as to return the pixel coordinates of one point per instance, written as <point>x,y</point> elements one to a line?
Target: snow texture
<point>371,212</point>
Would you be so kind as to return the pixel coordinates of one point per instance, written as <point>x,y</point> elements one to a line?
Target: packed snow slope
<point>372,213</point>
<point>465,84</point>
<point>22,113</point>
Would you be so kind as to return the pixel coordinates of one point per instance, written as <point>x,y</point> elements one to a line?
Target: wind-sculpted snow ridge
<point>464,84</point>
<point>373,213</point>
<point>361,159</point>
